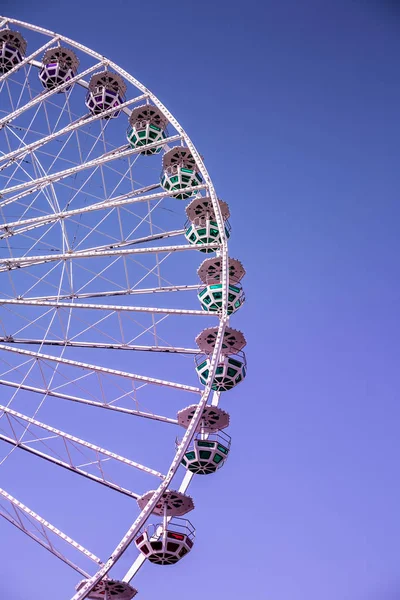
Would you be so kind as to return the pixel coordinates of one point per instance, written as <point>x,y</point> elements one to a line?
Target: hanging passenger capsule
<point>231,368</point>
<point>207,453</point>
<point>201,227</point>
<point>166,544</point>
<point>210,272</point>
<point>211,297</point>
<point>106,90</point>
<point>108,589</point>
<point>230,371</point>
<point>147,126</point>
<point>206,234</point>
<point>12,49</point>
<point>180,172</point>
<point>59,66</point>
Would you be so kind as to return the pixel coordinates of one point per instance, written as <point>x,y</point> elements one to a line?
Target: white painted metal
<point>45,95</point>
<point>119,201</point>
<point>112,307</point>
<point>80,442</point>
<point>40,182</point>
<point>68,466</point>
<point>64,256</point>
<point>186,481</point>
<point>45,542</point>
<point>99,369</point>
<point>86,119</point>
<point>15,263</point>
<point>109,406</point>
<point>127,292</point>
<point>105,345</point>
<point>42,542</point>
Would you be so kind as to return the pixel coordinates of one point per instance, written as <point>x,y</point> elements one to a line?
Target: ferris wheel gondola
<point>98,259</point>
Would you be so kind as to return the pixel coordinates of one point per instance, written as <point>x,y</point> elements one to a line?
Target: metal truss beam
<point>99,369</point>
<point>41,541</point>
<point>86,119</point>
<point>138,523</point>
<point>45,95</point>
<point>112,293</point>
<point>67,466</point>
<point>41,182</point>
<point>38,521</point>
<point>24,225</point>
<point>163,235</point>
<point>112,307</point>
<point>80,442</point>
<point>99,345</point>
<point>7,264</point>
<point>108,406</point>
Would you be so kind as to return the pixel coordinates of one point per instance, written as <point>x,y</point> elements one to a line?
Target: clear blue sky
<point>295,108</point>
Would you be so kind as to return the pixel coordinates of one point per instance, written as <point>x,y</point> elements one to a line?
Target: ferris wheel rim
<point>224,318</point>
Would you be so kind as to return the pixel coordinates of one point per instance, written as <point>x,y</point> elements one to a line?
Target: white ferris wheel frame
<point>221,249</point>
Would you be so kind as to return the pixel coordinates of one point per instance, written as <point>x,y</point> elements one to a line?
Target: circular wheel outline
<point>224,318</point>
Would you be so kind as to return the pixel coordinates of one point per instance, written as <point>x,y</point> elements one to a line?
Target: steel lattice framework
<point>81,240</point>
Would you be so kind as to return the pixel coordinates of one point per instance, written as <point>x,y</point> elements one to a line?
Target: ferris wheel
<point>116,295</point>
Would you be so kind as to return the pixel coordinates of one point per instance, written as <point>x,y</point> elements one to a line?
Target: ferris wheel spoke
<point>22,225</point>
<point>99,369</point>
<point>92,388</point>
<point>66,465</point>
<point>8,264</point>
<point>121,152</point>
<point>138,523</point>
<point>78,293</point>
<point>44,95</point>
<point>123,241</point>
<point>84,120</point>
<point>70,442</point>
<point>59,167</point>
<point>108,307</point>
<point>40,530</point>
<point>121,342</point>
<point>106,405</point>
<point>127,292</point>
<point>114,244</point>
<point>101,345</point>
<point>49,194</point>
<point>130,242</point>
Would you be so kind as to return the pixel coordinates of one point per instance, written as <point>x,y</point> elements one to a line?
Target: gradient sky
<point>295,107</point>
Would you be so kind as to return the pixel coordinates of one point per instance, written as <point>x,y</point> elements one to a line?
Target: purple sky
<point>295,107</point>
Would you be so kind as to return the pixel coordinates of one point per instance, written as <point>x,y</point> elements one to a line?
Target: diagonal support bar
<point>79,441</point>
<point>86,119</point>
<point>41,182</point>
<point>62,396</point>
<point>43,523</point>
<point>67,466</point>
<point>45,95</point>
<point>99,345</point>
<point>113,307</point>
<point>117,202</point>
<point>99,369</point>
<point>8,264</point>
